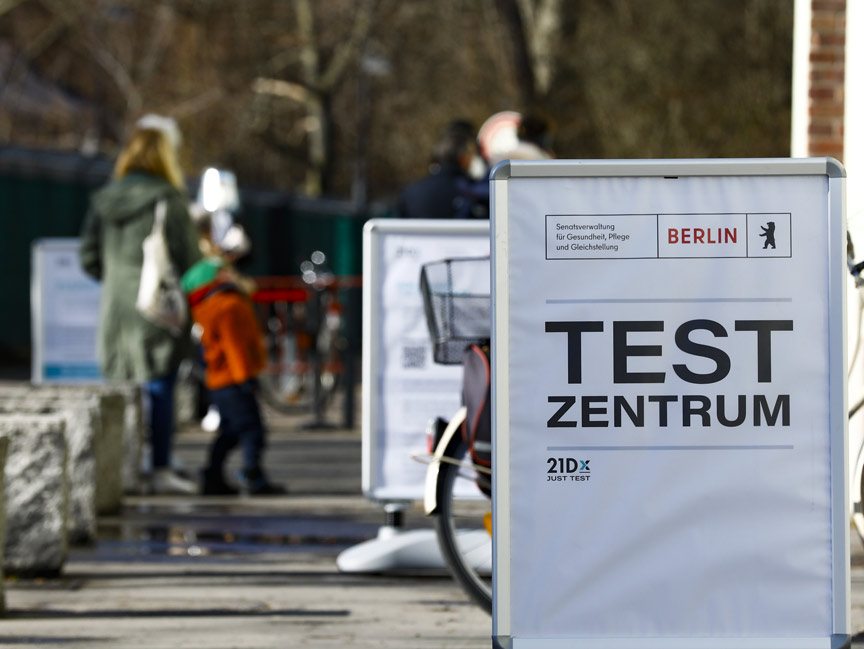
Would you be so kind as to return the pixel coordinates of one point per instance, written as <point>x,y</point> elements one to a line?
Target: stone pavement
<point>192,594</point>
<point>256,573</point>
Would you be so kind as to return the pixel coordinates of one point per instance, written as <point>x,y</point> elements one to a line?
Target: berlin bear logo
<point>768,233</point>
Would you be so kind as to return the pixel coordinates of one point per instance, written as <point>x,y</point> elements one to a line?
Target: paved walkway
<point>211,573</point>
<point>214,573</point>
<point>184,590</point>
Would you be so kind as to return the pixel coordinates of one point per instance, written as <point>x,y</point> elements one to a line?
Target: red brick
<point>820,130</point>
<point>823,93</point>
<point>825,145</point>
<point>827,75</point>
<point>823,24</point>
<point>832,40</point>
<point>821,56</point>
<point>833,140</point>
<point>828,5</point>
<point>826,110</point>
<point>820,152</point>
<point>824,130</point>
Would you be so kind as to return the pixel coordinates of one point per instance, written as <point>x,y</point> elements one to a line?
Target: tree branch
<point>281,88</point>
<point>198,103</point>
<point>348,51</point>
<point>8,5</point>
<point>545,36</point>
<point>310,61</point>
<point>163,23</point>
<point>116,71</point>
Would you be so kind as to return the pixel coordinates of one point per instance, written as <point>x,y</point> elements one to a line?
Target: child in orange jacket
<point>234,356</point>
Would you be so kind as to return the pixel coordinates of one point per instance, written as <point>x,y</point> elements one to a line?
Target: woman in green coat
<point>121,215</point>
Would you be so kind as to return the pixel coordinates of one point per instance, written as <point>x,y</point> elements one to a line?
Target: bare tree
<point>271,88</point>
<point>534,31</point>
<point>318,81</point>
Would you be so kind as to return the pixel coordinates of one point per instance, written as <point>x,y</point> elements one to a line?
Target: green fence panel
<point>46,194</point>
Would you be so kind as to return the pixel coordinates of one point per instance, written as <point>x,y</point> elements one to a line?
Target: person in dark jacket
<point>449,191</point>
<point>120,216</point>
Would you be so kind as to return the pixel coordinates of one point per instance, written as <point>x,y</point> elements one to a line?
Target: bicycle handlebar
<point>854,268</point>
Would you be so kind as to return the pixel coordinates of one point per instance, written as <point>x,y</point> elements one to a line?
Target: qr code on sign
<point>413,358</point>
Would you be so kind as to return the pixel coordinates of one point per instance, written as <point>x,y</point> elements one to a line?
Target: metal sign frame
<point>507,622</point>
<point>64,305</point>
<point>377,435</point>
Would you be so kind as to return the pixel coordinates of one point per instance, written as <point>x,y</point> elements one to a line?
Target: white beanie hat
<point>166,125</point>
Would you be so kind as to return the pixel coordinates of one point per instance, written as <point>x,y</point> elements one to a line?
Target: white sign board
<point>65,314</point>
<point>403,388</point>
<point>669,404</point>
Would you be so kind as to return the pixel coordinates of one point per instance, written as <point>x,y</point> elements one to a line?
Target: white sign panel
<point>65,314</point>
<point>403,388</point>
<point>670,452</point>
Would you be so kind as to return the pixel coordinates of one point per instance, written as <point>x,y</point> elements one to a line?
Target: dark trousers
<point>160,393</point>
<point>240,423</point>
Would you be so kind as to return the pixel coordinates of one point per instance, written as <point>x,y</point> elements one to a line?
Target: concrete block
<point>185,401</point>
<point>83,426</point>
<point>109,453</point>
<point>4,449</point>
<point>36,500</point>
<point>118,446</point>
<point>133,438</point>
<point>107,432</point>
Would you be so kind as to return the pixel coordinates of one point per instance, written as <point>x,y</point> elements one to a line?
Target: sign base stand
<point>393,549</point>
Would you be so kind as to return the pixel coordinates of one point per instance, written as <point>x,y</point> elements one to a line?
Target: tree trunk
<point>521,59</point>
<point>321,83</point>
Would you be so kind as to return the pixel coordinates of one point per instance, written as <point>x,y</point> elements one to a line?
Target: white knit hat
<point>167,125</point>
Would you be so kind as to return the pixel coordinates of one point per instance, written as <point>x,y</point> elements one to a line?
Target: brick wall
<point>827,70</point>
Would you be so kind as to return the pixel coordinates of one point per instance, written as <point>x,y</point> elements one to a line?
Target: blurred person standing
<point>121,215</point>
<point>456,186</point>
<point>234,355</point>
<point>512,136</point>
<point>535,139</point>
<point>219,236</point>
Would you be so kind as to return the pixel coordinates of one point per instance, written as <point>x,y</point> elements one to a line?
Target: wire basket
<point>456,297</point>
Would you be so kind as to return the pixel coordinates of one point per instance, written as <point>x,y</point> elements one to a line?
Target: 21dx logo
<point>567,469</point>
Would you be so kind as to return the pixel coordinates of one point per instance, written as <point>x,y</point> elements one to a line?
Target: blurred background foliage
<point>345,98</point>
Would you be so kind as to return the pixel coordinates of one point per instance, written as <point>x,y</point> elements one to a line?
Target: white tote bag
<point>160,299</point>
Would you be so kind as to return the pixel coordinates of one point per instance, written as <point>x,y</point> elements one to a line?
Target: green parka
<point>121,214</point>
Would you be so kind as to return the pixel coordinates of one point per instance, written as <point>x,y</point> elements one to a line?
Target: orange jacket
<point>231,337</point>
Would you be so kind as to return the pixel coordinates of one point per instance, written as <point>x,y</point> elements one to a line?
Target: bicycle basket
<point>457,304</point>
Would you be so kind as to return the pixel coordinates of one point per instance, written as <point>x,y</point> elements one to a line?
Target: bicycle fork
<point>445,440</point>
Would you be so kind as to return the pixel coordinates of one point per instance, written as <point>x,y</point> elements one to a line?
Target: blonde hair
<point>149,150</point>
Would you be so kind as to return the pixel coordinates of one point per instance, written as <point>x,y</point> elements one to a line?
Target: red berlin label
<point>702,236</point>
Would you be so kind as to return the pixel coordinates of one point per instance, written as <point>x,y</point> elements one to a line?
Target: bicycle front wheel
<point>301,376</point>
<point>287,382</point>
<point>463,526</point>
<point>858,495</point>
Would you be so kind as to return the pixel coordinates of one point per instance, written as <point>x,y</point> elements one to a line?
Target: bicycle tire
<point>466,550</point>
<point>294,392</point>
<point>288,382</point>
<point>858,507</point>
<point>284,383</point>
<point>287,402</point>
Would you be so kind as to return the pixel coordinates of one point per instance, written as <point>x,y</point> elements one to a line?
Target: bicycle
<point>855,270</point>
<point>302,323</point>
<point>456,295</point>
